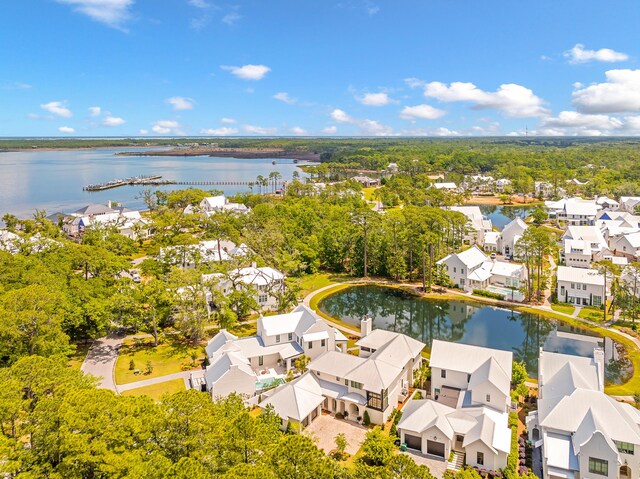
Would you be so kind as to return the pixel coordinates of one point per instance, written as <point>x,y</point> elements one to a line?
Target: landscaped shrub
<point>132,365</point>
<point>367,420</point>
<point>488,294</point>
<point>417,396</point>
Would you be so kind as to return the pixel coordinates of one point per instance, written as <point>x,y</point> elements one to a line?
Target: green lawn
<point>243,330</point>
<point>170,357</point>
<point>77,358</point>
<point>563,308</point>
<point>311,282</point>
<point>156,391</point>
<point>592,314</point>
<point>368,193</point>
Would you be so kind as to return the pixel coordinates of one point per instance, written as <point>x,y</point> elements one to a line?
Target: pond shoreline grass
<point>627,389</point>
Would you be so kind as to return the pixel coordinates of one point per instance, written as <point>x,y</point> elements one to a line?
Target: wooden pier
<point>157,180</point>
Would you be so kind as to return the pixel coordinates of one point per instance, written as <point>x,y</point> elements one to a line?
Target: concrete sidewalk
<point>162,379</point>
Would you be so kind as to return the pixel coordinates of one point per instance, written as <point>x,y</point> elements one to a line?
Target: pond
<point>473,323</point>
<point>501,216</point>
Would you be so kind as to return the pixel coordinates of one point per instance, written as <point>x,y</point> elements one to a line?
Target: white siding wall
<point>236,381</point>
<point>454,379</point>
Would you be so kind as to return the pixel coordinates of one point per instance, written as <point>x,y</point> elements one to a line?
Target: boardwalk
<point>158,181</point>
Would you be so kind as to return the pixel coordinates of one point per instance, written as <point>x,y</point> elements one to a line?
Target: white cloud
<point>248,72</point>
<point>198,3</point>
<point>143,131</point>
<point>66,129</point>
<point>424,112</point>
<point>430,132</point>
<point>110,12</point>
<point>415,82</point>
<point>180,103</point>
<point>330,130</point>
<point>231,18</point>
<point>620,93</point>
<point>573,119</point>
<point>284,97</point>
<point>58,108</point>
<point>578,54</point>
<point>167,127</point>
<point>298,131</point>
<point>228,121</point>
<point>259,130</point>
<point>510,99</point>
<point>367,127</point>
<point>224,131</point>
<point>112,121</point>
<point>15,86</point>
<point>374,99</point>
<point>444,132</point>
<point>372,10</point>
<point>95,110</point>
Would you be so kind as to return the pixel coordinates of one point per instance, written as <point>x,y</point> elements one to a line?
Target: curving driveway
<point>101,361</point>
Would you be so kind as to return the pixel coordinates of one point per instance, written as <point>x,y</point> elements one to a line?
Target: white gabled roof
<point>390,344</point>
<point>298,321</point>
<point>219,340</point>
<point>297,399</point>
<point>222,363</point>
<point>490,372</point>
<point>516,224</point>
<point>491,237</point>
<point>470,257</point>
<point>592,234</point>
<point>580,275</point>
<point>504,268</point>
<point>467,358</point>
<point>444,186</point>
<point>214,201</point>
<point>421,415</point>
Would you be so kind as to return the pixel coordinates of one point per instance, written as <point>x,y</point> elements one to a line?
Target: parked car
<point>135,276</point>
<point>492,256</point>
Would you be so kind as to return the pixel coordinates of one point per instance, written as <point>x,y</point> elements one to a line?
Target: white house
<point>210,251</point>
<point>128,222</point>
<point>480,183</point>
<point>502,184</point>
<point>582,432</point>
<point>478,224</point>
<point>249,365</point>
<point>472,269</point>
<point>491,240</point>
<point>268,282</point>
<point>214,204</point>
<point>9,242</point>
<point>627,245</point>
<point>373,382</point>
<point>445,186</point>
<point>510,235</point>
<point>580,286</point>
<point>629,203</point>
<point>574,211</point>
<point>607,203</point>
<point>543,189</point>
<point>581,245</point>
<point>468,410</point>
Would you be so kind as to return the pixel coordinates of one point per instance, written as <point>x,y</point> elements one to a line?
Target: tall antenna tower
<point>526,131</point>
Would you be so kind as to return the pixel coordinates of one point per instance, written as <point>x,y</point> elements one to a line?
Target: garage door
<point>435,448</point>
<point>314,414</point>
<point>413,442</point>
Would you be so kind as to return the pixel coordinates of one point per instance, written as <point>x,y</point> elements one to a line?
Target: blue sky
<point>311,67</point>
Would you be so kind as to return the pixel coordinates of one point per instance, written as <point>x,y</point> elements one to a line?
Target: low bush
<point>488,294</point>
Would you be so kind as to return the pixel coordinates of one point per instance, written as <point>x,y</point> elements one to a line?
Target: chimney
<point>254,264</point>
<point>366,325</point>
<point>598,357</point>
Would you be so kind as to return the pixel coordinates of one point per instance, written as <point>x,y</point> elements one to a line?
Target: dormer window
<point>443,373</point>
<point>290,337</point>
<point>278,338</point>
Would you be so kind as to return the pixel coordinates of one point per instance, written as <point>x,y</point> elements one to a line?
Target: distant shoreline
<point>240,153</point>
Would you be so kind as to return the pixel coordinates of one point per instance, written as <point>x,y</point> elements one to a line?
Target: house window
<point>310,345</point>
<point>378,401</point>
<point>263,298</point>
<point>278,338</point>
<point>355,384</point>
<point>338,378</point>
<point>461,270</point>
<point>260,360</point>
<point>597,300</point>
<point>290,337</point>
<point>624,447</point>
<point>443,373</point>
<point>488,397</point>
<point>598,466</point>
<point>584,287</point>
<point>454,269</point>
<point>480,458</point>
<point>468,377</point>
<point>323,343</point>
<point>573,285</point>
<point>346,382</point>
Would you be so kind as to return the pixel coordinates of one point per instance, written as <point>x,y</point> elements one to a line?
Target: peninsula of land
<point>247,153</point>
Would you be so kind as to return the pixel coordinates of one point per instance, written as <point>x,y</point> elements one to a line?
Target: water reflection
<point>471,323</point>
<point>500,215</point>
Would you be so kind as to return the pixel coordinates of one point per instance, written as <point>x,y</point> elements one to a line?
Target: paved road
<point>101,361</point>
<point>162,379</point>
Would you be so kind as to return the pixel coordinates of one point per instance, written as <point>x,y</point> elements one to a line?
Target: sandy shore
<point>494,200</point>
